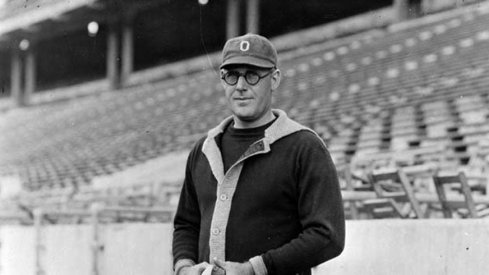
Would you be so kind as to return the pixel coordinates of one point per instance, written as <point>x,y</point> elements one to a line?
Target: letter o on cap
<point>244,46</point>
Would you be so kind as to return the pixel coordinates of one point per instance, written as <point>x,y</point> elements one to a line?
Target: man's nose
<point>241,84</point>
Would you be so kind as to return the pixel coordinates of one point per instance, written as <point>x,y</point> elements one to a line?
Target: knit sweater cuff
<point>181,264</point>
<point>258,265</point>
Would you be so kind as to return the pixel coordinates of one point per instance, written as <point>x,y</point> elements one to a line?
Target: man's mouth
<point>242,99</point>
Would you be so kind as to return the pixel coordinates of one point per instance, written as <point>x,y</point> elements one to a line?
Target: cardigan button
<point>216,231</point>
<point>223,197</point>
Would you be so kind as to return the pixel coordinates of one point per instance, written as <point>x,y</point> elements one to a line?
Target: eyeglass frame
<point>239,75</point>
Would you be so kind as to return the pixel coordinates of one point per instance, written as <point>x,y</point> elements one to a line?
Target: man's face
<point>250,102</point>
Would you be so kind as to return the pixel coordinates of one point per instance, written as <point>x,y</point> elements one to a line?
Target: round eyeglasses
<point>251,77</point>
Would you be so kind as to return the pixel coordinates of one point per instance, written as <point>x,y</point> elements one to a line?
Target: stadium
<point>101,102</point>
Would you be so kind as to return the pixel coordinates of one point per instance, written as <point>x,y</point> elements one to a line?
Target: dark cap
<point>251,49</point>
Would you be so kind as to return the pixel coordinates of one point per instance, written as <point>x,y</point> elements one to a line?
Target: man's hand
<point>233,268</point>
<point>194,270</point>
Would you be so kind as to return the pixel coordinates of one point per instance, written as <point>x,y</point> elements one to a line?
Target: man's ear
<point>221,74</point>
<point>276,77</point>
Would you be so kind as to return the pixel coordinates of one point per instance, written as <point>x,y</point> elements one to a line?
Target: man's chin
<point>243,115</point>
<point>245,118</point>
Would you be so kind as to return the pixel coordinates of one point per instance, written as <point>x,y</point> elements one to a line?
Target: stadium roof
<point>46,18</point>
<point>49,12</point>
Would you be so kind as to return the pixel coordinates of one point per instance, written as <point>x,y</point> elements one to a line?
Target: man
<point>261,194</point>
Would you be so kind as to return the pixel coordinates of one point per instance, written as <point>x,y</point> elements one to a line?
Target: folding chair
<point>395,185</point>
<point>351,206</point>
<point>466,208</point>
<point>382,208</point>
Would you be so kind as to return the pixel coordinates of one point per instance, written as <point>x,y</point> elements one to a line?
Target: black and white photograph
<point>244,137</point>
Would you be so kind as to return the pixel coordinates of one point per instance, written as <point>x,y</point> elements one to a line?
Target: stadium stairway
<point>420,85</point>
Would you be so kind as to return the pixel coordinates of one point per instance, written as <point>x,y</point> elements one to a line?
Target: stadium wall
<point>372,247</point>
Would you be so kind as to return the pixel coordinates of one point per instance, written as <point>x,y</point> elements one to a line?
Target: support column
<point>30,75</point>
<point>233,18</point>
<point>253,16</point>
<point>415,8</point>
<point>401,8</point>
<point>408,9</point>
<point>127,49</point>
<point>16,77</point>
<point>113,75</point>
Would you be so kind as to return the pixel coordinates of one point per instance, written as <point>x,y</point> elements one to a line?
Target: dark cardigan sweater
<point>286,204</point>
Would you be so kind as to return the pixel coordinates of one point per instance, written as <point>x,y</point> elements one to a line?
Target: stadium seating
<point>408,95</point>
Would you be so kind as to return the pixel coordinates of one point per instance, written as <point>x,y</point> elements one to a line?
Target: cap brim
<point>247,60</point>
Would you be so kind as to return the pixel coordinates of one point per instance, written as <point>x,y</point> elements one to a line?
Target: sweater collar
<point>283,126</point>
